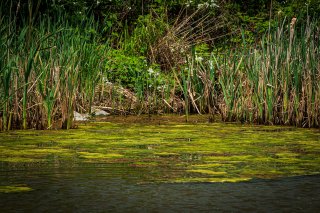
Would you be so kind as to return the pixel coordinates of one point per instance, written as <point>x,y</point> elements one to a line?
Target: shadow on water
<point>113,189</point>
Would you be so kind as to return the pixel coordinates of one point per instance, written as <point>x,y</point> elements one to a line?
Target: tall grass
<point>275,82</point>
<point>48,70</point>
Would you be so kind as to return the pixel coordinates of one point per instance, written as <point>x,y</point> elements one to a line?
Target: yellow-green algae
<point>175,151</point>
<point>14,189</point>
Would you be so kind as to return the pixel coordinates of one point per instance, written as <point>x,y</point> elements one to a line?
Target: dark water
<point>103,189</point>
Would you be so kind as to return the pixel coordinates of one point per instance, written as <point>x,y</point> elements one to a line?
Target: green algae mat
<point>161,150</point>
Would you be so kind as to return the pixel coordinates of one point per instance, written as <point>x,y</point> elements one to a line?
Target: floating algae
<point>174,152</point>
<point>14,189</point>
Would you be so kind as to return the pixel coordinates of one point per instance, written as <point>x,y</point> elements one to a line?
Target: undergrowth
<point>50,68</point>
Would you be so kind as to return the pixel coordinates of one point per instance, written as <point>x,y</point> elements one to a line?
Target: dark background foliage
<point>130,10</point>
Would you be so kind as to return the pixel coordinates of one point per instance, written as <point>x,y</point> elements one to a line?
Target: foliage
<point>124,69</point>
<point>45,68</point>
<point>276,82</point>
<point>132,72</point>
<point>242,60</point>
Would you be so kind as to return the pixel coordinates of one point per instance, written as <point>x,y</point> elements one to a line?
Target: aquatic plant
<point>167,149</point>
<point>275,82</point>
<point>14,189</point>
<point>51,68</point>
<point>48,70</point>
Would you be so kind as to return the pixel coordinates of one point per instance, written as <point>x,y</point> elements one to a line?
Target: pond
<point>160,164</point>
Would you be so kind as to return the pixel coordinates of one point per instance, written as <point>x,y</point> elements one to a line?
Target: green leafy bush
<point>132,72</point>
<point>124,69</point>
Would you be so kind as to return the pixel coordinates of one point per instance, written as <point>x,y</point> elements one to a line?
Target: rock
<point>98,112</point>
<point>80,117</point>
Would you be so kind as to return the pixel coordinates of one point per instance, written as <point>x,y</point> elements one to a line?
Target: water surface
<point>161,166</point>
<point>110,190</point>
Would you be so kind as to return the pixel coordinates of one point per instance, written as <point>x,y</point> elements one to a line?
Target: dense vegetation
<point>248,61</point>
